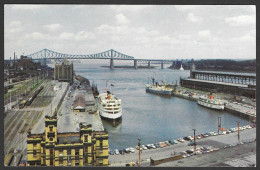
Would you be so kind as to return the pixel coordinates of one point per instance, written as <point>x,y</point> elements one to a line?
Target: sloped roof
<point>79,101</point>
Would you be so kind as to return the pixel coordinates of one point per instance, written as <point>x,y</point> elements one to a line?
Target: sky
<point>141,31</point>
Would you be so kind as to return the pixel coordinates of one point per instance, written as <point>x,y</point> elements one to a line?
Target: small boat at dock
<point>211,102</point>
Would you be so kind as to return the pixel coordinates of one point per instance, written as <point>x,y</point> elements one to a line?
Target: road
<point>238,156</point>
<point>217,141</point>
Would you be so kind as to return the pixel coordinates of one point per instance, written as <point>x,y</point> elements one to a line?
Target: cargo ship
<point>158,89</point>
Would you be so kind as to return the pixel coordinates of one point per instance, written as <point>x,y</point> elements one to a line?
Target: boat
<point>181,67</point>
<point>211,102</point>
<point>109,106</point>
<point>158,89</point>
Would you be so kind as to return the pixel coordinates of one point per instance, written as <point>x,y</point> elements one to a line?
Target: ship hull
<point>211,106</point>
<point>109,109</point>
<point>161,92</point>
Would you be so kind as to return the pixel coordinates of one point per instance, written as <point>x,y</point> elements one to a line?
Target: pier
<point>225,82</point>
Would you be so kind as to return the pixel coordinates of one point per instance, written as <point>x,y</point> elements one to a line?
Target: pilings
<point>111,63</point>
<point>135,64</point>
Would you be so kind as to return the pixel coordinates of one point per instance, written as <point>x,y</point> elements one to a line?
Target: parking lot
<point>219,141</point>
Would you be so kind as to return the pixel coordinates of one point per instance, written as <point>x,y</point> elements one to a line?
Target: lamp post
<point>219,123</point>
<point>238,131</point>
<point>194,130</point>
<point>139,144</point>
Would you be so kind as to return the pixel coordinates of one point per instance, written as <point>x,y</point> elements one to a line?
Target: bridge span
<point>111,54</point>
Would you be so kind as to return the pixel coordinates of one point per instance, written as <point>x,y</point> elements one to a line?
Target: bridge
<point>109,54</point>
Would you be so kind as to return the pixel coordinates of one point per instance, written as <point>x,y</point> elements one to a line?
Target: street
<point>217,141</point>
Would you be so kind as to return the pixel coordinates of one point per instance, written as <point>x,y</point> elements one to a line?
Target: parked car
<point>116,151</point>
<point>144,147</point>
<point>132,150</point>
<point>127,150</point>
<point>186,138</point>
<point>181,140</point>
<point>137,147</point>
<point>156,145</point>
<point>175,141</point>
<point>121,152</point>
<point>191,144</point>
<point>171,142</point>
<point>167,143</point>
<point>190,151</point>
<point>111,152</point>
<point>197,137</point>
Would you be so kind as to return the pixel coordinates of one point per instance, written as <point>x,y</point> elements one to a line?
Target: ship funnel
<point>211,96</point>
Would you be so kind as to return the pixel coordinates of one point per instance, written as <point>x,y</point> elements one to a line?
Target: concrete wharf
<point>69,120</point>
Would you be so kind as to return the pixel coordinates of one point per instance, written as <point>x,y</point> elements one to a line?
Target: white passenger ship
<point>109,106</point>
<point>211,103</point>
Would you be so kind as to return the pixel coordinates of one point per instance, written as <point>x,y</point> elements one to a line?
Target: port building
<point>51,148</point>
<point>224,82</point>
<point>79,103</point>
<point>64,72</point>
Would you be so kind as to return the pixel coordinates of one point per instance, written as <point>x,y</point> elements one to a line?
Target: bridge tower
<point>149,64</point>
<point>111,63</point>
<point>192,69</point>
<point>135,64</point>
<point>111,60</point>
<point>162,65</point>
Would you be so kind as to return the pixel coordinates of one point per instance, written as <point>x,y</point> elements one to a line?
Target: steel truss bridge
<point>109,54</point>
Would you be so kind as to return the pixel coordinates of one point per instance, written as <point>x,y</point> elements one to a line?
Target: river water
<point>147,116</point>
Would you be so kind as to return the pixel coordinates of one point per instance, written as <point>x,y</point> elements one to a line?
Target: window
<point>101,162</point>
<point>51,128</point>
<point>77,152</point>
<point>34,153</point>
<point>51,139</point>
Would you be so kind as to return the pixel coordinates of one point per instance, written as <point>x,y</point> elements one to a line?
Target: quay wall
<point>184,96</point>
<point>226,107</point>
<point>167,159</point>
<point>239,113</point>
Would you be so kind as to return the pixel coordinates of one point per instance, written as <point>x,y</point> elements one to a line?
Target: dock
<point>234,108</point>
<point>69,120</point>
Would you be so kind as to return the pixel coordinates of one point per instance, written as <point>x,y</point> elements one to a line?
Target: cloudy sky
<point>154,32</point>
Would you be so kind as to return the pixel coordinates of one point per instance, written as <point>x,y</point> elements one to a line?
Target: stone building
<point>83,148</point>
<point>64,72</point>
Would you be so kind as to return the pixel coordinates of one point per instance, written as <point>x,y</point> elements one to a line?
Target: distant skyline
<point>141,31</point>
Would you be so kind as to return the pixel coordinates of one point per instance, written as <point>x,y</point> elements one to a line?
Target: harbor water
<point>148,116</point>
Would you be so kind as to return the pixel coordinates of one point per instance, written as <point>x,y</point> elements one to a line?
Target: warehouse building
<point>79,103</point>
<point>83,148</point>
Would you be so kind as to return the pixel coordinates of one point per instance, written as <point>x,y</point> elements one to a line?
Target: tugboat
<point>211,103</point>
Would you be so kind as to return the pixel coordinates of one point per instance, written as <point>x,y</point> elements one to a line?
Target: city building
<point>64,71</point>
<point>83,148</point>
<point>26,64</point>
